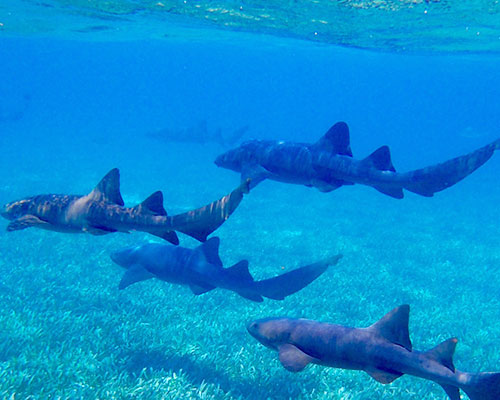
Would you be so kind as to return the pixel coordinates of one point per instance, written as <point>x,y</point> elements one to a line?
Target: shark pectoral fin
<point>197,290</point>
<point>396,192</point>
<point>136,273</point>
<point>26,221</point>
<point>452,391</point>
<point>394,326</point>
<point>255,173</point>
<point>382,376</point>
<point>294,359</point>
<point>99,230</point>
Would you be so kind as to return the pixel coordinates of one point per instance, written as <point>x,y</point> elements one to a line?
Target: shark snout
<point>252,328</point>
<point>219,160</point>
<point>4,212</point>
<point>121,257</point>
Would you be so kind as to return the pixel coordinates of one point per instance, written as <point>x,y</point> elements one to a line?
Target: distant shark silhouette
<point>102,211</point>
<point>17,109</point>
<point>199,134</point>
<point>201,269</point>
<point>328,165</point>
<point>383,350</point>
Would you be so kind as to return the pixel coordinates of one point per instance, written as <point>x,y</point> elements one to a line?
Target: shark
<point>328,164</point>
<point>102,211</point>
<point>199,133</point>
<point>202,270</point>
<point>383,350</point>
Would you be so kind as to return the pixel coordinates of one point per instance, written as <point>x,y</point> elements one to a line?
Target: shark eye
<point>253,326</point>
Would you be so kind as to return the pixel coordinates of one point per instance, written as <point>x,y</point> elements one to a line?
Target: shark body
<point>328,164</point>
<point>102,212</point>
<point>383,350</point>
<point>201,269</point>
<point>199,134</point>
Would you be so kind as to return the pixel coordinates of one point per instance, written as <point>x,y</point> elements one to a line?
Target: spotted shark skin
<point>201,269</point>
<point>328,164</point>
<point>102,211</point>
<point>383,350</point>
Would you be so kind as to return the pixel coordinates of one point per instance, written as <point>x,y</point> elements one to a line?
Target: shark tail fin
<point>284,285</point>
<point>483,386</point>
<point>203,221</point>
<point>429,180</point>
<point>153,205</point>
<point>241,272</point>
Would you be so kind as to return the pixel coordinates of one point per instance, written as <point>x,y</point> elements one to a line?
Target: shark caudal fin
<point>483,386</point>
<point>153,205</point>
<point>284,285</point>
<point>240,272</point>
<point>429,180</point>
<point>203,221</point>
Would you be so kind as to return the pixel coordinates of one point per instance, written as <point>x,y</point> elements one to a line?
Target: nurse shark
<point>199,134</point>
<point>102,211</point>
<point>201,269</point>
<point>383,350</point>
<point>328,164</point>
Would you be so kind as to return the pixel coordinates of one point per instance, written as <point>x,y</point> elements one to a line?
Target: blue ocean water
<point>71,110</point>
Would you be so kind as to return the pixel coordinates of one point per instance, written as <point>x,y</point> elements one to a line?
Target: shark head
<point>237,158</point>
<point>16,209</point>
<point>124,257</point>
<point>271,332</point>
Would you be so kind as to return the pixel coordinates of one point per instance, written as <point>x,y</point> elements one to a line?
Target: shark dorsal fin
<point>336,140</point>
<point>381,159</point>
<point>108,189</point>
<point>443,353</point>
<point>394,326</point>
<point>211,251</point>
<point>240,271</point>
<point>153,204</point>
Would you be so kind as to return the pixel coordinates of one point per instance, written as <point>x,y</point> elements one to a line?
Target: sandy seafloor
<point>66,331</point>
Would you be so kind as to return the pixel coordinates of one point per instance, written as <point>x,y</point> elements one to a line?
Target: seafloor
<point>66,331</point>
